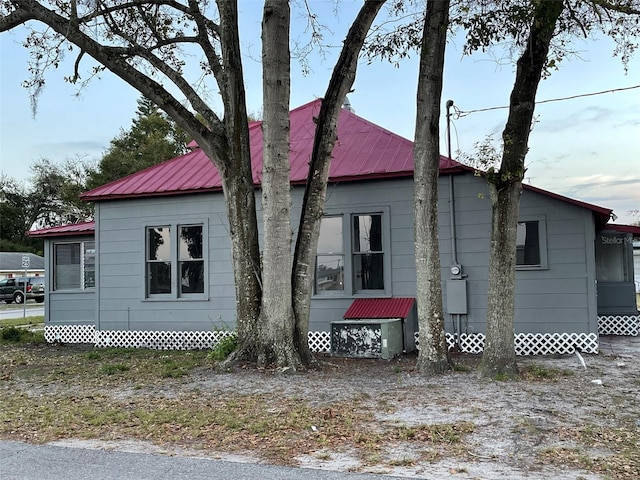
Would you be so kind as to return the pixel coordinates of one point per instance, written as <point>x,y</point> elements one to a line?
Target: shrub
<point>20,335</point>
<point>224,347</point>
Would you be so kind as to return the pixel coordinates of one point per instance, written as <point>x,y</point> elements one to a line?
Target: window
<point>158,260</point>
<point>74,266</point>
<point>184,253</point>
<point>329,275</point>
<point>368,254</point>
<point>612,258</point>
<point>531,244</point>
<point>191,260</point>
<point>352,247</point>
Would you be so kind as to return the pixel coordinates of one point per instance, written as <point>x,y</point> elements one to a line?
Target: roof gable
<point>362,150</point>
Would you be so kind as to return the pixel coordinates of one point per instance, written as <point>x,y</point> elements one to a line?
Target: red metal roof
<point>84,228</point>
<point>601,214</point>
<point>362,308</point>
<point>617,227</point>
<point>362,151</point>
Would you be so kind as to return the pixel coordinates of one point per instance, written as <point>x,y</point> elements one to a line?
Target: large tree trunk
<point>434,354</point>
<point>505,187</point>
<point>277,322</point>
<point>239,191</point>
<point>342,79</point>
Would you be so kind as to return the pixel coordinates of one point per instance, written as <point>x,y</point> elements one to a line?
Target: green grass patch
<point>29,321</point>
<point>535,372</point>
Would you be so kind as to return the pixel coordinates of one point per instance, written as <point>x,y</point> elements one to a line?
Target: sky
<point>587,148</point>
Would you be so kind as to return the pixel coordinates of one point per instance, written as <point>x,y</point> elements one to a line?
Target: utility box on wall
<point>367,338</point>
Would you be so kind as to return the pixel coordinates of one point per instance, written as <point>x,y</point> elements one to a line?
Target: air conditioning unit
<point>367,338</point>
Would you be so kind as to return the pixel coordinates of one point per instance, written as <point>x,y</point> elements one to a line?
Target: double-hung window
<point>74,266</point>
<point>531,244</point>
<point>351,257</point>
<point>330,258</point>
<point>191,260</point>
<point>158,260</point>
<point>175,252</point>
<point>368,252</point>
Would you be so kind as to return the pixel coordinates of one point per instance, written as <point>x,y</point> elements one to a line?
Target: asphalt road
<point>19,312</point>
<point>22,461</point>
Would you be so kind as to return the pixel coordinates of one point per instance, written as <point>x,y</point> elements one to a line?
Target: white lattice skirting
<point>529,343</point>
<point>526,343</point>
<point>619,325</point>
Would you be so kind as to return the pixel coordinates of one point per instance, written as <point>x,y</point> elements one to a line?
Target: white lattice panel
<point>530,343</point>
<point>161,340</point>
<point>69,333</point>
<point>320,342</point>
<point>526,343</point>
<point>619,325</point>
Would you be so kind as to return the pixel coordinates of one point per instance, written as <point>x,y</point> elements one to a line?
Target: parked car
<point>13,289</point>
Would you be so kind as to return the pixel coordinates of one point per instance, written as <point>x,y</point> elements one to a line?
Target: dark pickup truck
<point>16,289</point>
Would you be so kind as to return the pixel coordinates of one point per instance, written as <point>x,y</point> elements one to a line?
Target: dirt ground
<point>561,420</point>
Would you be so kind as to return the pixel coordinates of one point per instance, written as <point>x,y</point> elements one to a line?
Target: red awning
<point>379,308</point>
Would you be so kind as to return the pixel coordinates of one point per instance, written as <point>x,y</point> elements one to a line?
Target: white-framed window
<point>352,257</point>
<point>329,276</point>
<point>531,243</point>
<point>74,265</point>
<point>175,261</point>
<point>367,252</point>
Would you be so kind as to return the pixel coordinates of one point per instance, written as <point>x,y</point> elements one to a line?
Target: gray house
<point>154,269</point>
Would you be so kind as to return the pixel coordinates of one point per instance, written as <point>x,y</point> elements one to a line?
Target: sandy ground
<point>519,426</point>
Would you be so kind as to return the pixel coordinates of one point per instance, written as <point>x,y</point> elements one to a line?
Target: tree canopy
<point>151,139</point>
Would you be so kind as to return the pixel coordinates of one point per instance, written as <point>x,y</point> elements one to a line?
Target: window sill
<point>176,299</point>
<point>370,294</point>
<point>531,267</point>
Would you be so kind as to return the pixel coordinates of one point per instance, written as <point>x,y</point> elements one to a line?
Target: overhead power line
<point>462,113</point>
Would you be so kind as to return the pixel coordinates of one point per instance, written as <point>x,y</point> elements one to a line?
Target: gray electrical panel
<point>457,297</point>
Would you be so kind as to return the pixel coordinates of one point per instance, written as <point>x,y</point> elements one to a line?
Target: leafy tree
<point>145,43</point>
<point>14,217</point>
<point>152,139</point>
<point>542,32</point>
<point>51,198</point>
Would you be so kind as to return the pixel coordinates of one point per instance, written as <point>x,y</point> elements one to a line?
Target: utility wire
<point>462,113</point>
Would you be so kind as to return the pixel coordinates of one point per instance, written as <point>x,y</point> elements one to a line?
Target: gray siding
<point>122,299</point>
<point>66,308</point>
<point>560,298</point>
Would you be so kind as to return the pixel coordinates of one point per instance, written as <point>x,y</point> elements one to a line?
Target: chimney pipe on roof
<point>347,105</point>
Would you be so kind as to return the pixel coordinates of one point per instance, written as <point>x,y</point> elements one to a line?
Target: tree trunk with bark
<point>276,343</point>
<point>434,354</point>
<point>505,187</point>
<point>238,185</point>
<point>342,79</point>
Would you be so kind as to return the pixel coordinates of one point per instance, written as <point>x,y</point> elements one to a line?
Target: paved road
<point>22,461</point>
<point>18,312</point>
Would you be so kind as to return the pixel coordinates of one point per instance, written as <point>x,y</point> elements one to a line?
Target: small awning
<point>379,308</point>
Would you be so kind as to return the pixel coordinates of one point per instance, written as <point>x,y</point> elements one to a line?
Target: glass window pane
<point>66,267</point>
<point>89,263</point>
<point>367,233</point>
<point>191,242</point>
<point>528,244</point>
<point>159,243</point>
<point>159,277</point>
<point>329,273</point>
<point>611,259</point>
<point>192,277</point>
<point>369,271</point>
<point>330,239</point>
